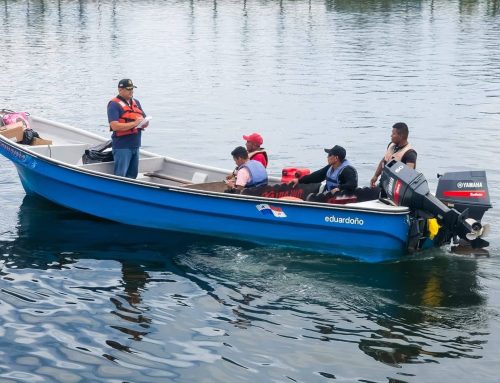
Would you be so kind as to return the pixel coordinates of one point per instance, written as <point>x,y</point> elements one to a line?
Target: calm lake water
<point>86,300</point>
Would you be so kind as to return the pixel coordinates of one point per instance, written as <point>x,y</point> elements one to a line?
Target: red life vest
<point>129,113</point>
<point>251,155</point>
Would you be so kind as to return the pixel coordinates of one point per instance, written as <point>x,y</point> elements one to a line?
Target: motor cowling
<point>465,190</point>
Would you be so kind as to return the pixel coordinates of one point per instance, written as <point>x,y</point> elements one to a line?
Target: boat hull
<point>360,233</point>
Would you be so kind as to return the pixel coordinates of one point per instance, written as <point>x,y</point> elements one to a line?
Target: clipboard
<point>141,124</point>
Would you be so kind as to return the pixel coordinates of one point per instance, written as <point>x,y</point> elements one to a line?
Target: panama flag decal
<point>266,209</point>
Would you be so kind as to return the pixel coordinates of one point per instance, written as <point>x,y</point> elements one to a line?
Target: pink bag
<point>13,117</point>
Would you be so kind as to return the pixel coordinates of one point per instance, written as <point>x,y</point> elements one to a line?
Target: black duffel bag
<point>28,136</point>
<point>98,153</point>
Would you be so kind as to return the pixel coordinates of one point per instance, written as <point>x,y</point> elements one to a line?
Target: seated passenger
<point>339,174</point>
<point>249,173</point>
<point>255,151</point>
<point>398,149</point>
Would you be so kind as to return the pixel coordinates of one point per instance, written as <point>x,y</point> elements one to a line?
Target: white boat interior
<point>69,145</point>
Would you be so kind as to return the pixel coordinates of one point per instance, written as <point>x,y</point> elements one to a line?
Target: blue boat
<point>175,195</point>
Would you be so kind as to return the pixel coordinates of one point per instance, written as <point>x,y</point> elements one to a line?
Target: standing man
<point>255,152</point>
<point>339,174</point>
<point>249,173</point>
<point>124,115</point>
<point>398,149</point>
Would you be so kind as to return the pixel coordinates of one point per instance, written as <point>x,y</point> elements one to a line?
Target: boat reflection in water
<point>419,310</point>
<point>441,293</point>
<point>53,237</point>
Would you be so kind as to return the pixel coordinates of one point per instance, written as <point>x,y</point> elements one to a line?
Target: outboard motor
<point>465,190</point>
<point>407,187</point>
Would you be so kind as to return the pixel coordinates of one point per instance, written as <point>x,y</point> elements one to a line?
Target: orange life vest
<point>130,113</point>
<point>261,150</point>
<point>398,156</point>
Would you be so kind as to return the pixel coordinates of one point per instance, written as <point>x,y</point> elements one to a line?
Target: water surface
<point>89,300</point>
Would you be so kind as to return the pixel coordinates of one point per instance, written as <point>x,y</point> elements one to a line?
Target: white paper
<point>146,119</point>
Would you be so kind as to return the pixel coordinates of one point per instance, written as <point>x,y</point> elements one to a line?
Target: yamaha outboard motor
<point>407,187</point>
<point>465,190</point>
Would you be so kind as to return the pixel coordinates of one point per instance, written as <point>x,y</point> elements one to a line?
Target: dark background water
<point>88,300</point>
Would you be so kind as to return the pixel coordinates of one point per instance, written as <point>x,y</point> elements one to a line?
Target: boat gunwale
<point>181,189</point>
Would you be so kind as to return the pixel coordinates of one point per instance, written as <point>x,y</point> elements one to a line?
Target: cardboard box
<point>41,141</point>
<point>13,131</point>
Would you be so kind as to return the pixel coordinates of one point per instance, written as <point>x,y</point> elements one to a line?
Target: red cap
<point>254,137</point>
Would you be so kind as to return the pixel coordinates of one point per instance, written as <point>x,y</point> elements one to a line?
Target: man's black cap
<point>126,83</point>
<point>338,151</point>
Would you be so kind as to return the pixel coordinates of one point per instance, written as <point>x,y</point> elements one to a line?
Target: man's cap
<point>254,137</point>
<point>337,150</point>
<point>126,83</point>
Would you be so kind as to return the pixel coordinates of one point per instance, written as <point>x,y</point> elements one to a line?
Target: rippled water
<point>92,301</point>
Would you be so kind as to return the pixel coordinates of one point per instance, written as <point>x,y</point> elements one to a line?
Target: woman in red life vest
<point>124,115</point>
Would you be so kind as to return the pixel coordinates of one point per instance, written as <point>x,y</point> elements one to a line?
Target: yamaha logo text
<point>462,185</point>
